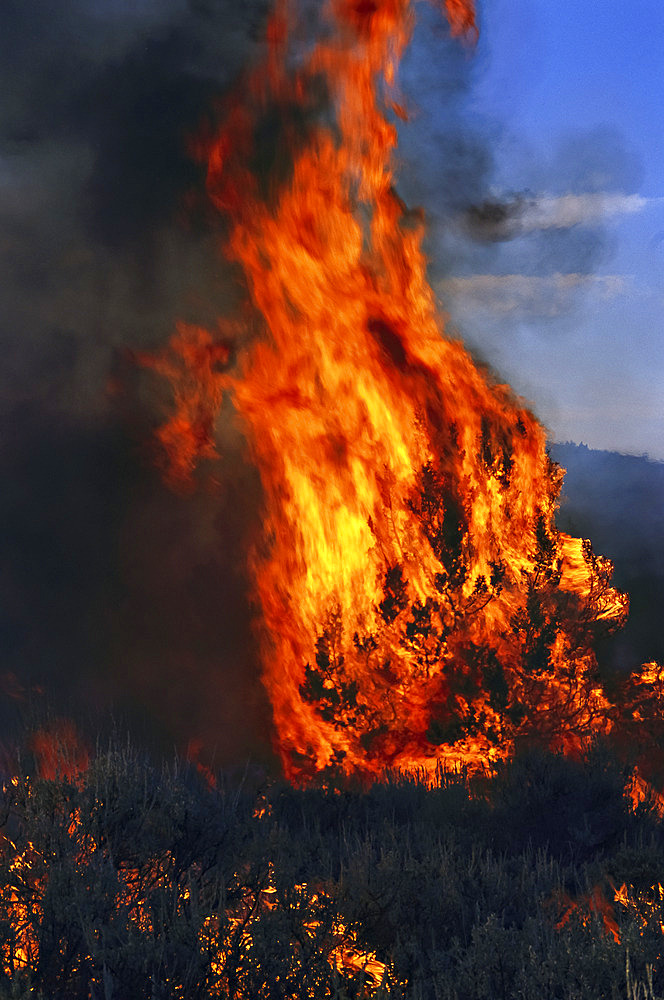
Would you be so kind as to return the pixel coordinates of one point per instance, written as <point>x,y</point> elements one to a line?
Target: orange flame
<point>418,603</point>
<point>59,751</point>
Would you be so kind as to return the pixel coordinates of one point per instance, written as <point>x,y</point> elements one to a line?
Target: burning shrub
<point>462,882</point>
<point>108,880</point>
<point>137,881</point>
<point>143,882</point>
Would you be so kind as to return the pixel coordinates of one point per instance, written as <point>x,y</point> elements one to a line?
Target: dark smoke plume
<point>118,597</point>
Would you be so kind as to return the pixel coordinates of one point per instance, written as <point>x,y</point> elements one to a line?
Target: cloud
<point>494,220</point>
<point>545,296</point>
<point>558,215</point>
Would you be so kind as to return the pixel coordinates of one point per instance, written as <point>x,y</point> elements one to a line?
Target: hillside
<point>618,502</point>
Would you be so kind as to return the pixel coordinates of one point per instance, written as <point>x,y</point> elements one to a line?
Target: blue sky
<point>568,306</point>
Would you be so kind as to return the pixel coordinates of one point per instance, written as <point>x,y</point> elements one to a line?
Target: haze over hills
<point>618,502</point>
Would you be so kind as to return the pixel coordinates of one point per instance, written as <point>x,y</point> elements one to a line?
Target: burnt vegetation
<point>134,880</point>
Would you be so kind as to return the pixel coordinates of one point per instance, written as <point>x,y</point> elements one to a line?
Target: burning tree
<point>417,602</point>
<point>481,692</point>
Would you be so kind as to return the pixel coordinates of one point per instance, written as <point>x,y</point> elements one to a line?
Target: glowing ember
<point>418,602</point>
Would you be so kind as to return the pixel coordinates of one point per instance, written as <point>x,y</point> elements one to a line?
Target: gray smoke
<point>537,247</point>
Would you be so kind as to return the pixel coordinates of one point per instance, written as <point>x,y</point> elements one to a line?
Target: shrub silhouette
<point>143,881</point>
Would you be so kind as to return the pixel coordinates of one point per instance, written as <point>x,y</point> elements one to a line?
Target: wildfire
<point>418,604</point>
<point>606,902</point>
<point>96,876</point>
<point>141,897</point>
<point>419,607</point>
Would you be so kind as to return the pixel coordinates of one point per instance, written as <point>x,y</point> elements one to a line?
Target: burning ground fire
<point>112,890</point>
<point>139,897</point>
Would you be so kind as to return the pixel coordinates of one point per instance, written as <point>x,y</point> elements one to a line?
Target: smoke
<point>558,225</point>
<point>553,221</point>
<point>117,596</point>
<point>123,600</point>
<point>507,220</point>
<point>507,295</point>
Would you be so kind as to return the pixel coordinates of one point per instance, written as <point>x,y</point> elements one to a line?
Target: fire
<point>418,604</point>
<point>59,751</point>
<point>607,902</point>
<point>140,898</point>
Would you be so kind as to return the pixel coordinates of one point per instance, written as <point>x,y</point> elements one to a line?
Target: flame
<point>586,906</point>
<point>226,936</point>
<point>59,751</point>
<point>418,604</point>
<point>236,916</point>
<point>20,900</point>
<point>606,902</point>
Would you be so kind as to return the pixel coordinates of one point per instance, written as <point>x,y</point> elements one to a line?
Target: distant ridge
<point>618,502</point>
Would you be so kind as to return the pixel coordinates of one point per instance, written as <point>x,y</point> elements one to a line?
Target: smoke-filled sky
<point>537,157</point>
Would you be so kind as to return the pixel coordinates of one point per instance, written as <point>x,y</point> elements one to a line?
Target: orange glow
<point>594,903</point>
<point>193,367</point>
<point>21,902</point>
<point>226,935</point>
<point>59,751</point>
<point>461,16</point>
<point>418,604</point>
<point>606,901</point>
